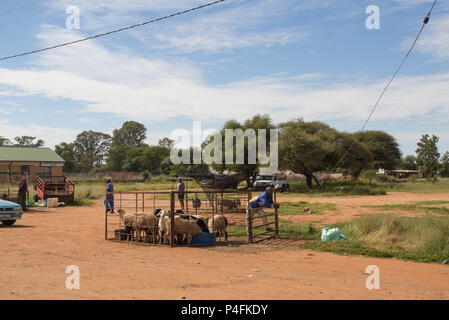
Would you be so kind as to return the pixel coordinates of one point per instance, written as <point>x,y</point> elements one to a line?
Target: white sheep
<point>128,222</point>
<point>163,217</point>
<point>146,222</point>
<point>219,223</point>
<point>188,228</point>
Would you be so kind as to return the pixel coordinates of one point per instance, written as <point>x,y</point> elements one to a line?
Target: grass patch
<point>423,239</point>
<point>297,208</point>
<point>423,206</point>
<point>301,231</point>
<point>340,188</point>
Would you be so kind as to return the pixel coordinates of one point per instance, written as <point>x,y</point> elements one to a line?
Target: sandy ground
<point>38,249</point>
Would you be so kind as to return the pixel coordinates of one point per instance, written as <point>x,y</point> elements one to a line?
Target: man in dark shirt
<point>22,194</point>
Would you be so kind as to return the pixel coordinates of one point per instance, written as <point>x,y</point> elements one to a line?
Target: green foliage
<point>131,133</point>
<point>383,147</point>
<point>444,165</point>
<point>307,147</point>
<point>67,152</point>
<point>90,149</point>
<point>408,163</point>
<point>299,208</point>
<point>146,175</point>
<point>249,170</point>
<point>424,239</point>
<point>28,141</point>
<point>428,155</point>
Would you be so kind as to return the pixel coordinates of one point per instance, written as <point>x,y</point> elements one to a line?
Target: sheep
<point>164,216</point>
<point>146,222</point>
<point>128,220</point>
<point>219,223</point>
<point>188,228</point>
<point>200,221</point>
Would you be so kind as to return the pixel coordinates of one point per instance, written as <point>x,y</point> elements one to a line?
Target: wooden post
<point>105,225</point>
<point>143,202</point>
<point>222,202</point>
<point>276,218</point>
<point>186,201</point>
<point>137,204</point>
<point>249,221</point>
<point>172,219</point>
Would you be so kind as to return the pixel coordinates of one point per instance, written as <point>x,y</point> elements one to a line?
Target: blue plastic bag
<point>329,235</point>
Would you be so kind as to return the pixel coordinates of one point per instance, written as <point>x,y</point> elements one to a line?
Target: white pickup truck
<point>278,179</point>
<point>9,212</point>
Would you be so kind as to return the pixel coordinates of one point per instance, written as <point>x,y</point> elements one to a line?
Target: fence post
<point>276,218</point>
<point>105,225</point>
<point>143,202</point>
<point>172,219</point>
<point>249,220</point>
<point>137,204</point>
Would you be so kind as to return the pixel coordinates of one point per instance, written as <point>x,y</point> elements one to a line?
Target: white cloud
<point>435,40</point>
<point>136,88</point>
<point>51,135</point>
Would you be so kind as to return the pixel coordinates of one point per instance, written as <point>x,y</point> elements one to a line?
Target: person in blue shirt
<point>109,201</point>
<point>257,205</point>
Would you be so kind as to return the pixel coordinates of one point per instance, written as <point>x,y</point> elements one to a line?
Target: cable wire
<point>19,8</point>
<point>424,23</point>
<point>113,31</point>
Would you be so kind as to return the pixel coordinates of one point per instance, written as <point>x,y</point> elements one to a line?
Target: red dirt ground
<point>37,250</point>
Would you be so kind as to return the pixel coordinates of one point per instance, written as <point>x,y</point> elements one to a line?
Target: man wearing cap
<point>256,204</point>
<point>22,194</point>
<point>181,190</point>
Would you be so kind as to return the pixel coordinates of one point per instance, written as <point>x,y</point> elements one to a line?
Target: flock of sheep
<point>157,226</point>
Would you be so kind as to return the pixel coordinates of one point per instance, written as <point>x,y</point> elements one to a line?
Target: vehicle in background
<point>278,180</point>
<point>10,212</point>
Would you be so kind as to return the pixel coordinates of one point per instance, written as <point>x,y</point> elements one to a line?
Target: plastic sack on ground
<point>331,234</point>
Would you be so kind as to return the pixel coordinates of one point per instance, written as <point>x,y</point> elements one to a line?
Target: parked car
<point>10,212</point>
<point>279,180</point>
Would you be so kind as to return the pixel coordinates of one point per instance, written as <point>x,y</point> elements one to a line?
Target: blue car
<point>10,212</point>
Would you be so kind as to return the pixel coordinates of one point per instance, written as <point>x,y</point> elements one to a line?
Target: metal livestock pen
<point>209,203</point>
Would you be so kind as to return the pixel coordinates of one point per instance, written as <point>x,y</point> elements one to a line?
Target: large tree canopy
<point>67,152</point>
<point>383,147</point>
<point>308,147</point>
<point>131,133</point>
<point>247,168</point>
<point>91,149</point>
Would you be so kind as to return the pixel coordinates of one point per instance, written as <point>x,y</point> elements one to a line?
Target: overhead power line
<point>424,23</point>
<point>19,8</point>
<point>113,31</point>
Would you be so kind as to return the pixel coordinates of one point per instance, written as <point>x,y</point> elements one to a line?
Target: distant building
<point>398,173</point>
<point>19,162</point>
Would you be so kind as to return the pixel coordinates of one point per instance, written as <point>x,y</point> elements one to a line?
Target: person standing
<point>257,205</point>
<point>181,191</point>
<point>22,194</point>
<point>109,201</point>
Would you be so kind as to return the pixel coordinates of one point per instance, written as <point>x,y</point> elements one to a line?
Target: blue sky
<point>288,58</point>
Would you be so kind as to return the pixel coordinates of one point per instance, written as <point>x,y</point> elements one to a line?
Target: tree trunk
<point>316,181</point>
<point>309,180</point>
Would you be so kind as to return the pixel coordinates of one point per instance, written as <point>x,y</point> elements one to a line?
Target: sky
<point>314,59</point>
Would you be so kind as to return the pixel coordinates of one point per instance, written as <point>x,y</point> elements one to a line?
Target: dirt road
<point>37,250</point>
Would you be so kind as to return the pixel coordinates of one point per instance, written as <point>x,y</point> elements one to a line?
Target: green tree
<point>28,141</point>
<point>166,143</point>
<point>383,147</point>
<point>427,155</point>
<point>67,152</point>
<point>91,149</point>
<point>249,170</point>
<point>131,133</point>
<point>408,163</point>
<point>444,165</point>
<point>308,147</point>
